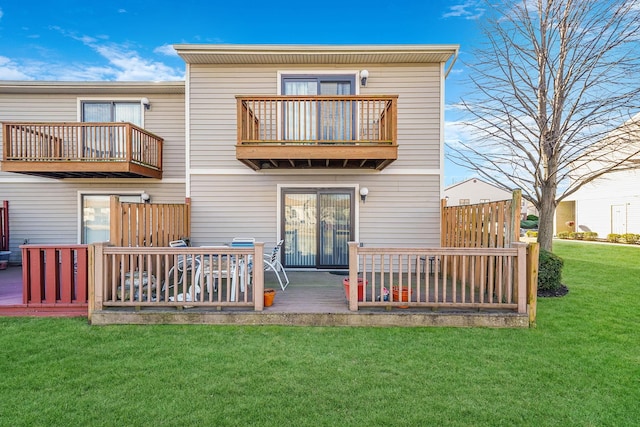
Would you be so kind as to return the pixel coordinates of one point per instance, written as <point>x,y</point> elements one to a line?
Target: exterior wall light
<point>145,197</point>
<point>364,75</point>
<point>363,194</point>
<point>146,103</point>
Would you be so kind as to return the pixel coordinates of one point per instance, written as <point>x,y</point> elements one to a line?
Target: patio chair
<point>272,263</point>
<point>185,264</point>
<point>244,267</point>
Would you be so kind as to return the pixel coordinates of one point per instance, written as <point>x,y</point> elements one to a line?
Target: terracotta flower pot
<point>269,294</point>
<point>361,284</point>
<point>401,296</point>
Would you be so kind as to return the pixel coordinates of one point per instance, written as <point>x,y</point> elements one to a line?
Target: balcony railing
<point>81,150</point>
<point>317,131</point>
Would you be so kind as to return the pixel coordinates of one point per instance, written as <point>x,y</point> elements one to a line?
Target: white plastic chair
<point>185,264</point>
<point>272,263</point>
<point>243,267</point>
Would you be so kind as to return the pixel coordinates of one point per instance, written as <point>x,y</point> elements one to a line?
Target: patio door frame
<point>355,214</point>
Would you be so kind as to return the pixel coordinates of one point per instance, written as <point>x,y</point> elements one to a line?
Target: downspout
<point>187,127</point>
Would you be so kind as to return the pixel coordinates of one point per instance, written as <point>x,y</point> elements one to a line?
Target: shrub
<point>563,235</point>
<point>531,233</point>
<point>549,271</point>
<point>613,237</point>
<point>532,218</point>
<point>577,235</point>
<point>628,238</point>
<point>590,235</point>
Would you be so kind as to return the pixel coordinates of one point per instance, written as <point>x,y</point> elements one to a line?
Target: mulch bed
<point>560,292</point>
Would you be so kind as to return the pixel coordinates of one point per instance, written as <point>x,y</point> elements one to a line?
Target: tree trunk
<point>545,220</point>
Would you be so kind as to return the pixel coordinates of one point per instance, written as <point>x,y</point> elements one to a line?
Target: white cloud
<point>129,65</point>
<point>1,13</point>
<point>122,63</point>
<point>470,10</point>
<point>10,70</point>
<point>166,49</point>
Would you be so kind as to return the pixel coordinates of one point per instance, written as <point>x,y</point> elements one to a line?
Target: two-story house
<point>315,145</point>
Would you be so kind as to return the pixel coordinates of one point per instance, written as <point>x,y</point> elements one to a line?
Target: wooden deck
<point>312,299</point>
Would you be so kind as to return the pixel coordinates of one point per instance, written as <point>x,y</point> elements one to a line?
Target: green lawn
<point>580,366</point>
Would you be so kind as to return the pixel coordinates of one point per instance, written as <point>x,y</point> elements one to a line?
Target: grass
<point>580,366</point>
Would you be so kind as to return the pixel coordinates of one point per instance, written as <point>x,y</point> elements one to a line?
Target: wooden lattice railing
<point>317,119</point>
<point>72,142</point>
<point>458,278</point>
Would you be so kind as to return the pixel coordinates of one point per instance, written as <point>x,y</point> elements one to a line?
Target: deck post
<point>353,276</point>
<point>98,275</point>
<point>533,255</point>
<point>521,276</point>
<point>258,276</point>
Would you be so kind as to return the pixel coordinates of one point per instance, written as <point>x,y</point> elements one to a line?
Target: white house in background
<point>611,203</point>
<point>473,191</point>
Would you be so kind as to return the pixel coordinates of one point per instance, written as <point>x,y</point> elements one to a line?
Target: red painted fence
<point>4,226</point>
<point>54,275</point>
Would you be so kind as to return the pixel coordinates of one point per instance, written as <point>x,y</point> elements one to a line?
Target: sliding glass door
<point>311,120</point>
<point>317,224</point>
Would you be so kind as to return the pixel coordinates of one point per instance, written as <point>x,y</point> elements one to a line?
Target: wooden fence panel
<point>149,224</point>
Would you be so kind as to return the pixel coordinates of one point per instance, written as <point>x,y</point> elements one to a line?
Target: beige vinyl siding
<point>401,210</point>
<point>213,109</point>
<point>165,118</point>
<point>47,214</point>
<point>45,211</point>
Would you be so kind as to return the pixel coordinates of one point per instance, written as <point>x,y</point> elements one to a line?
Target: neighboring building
<point>280,142</point>
<point>607,205</point>
<point>473,191</point>
<point>611,203</point>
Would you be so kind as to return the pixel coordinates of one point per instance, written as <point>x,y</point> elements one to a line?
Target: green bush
<point>528,224</point>
<point>531,233</point>
<point>577,235</point>
<point>549,271</point>
<point>563,235</point>
<point>613,237</point>
<point>590,235</point>
<point>532,218</point>
<point>629,238</point>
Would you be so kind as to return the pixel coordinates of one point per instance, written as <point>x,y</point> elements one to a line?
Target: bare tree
<point>551,83</point>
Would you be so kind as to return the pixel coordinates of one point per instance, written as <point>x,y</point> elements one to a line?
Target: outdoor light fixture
<point>146,103</point>
<point>145,197</point>
<point>363,194</point>
<point>364,75</point>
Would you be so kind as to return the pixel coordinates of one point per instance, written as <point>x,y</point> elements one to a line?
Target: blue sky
<point>81,40</point>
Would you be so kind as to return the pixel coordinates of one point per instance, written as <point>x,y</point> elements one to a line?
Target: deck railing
<point>54,275</point>
<point>454,278</point>
<point>317,119</point>
<point>177,277</point>
<point>86,142</point>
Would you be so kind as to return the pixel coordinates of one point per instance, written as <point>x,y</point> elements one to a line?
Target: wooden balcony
<point>81,150</point>
<point>298,132</point>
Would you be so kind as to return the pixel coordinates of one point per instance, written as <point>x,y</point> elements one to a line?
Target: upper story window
<point>485,200</point>
<point>112,111</point>
<point>464,202</point>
